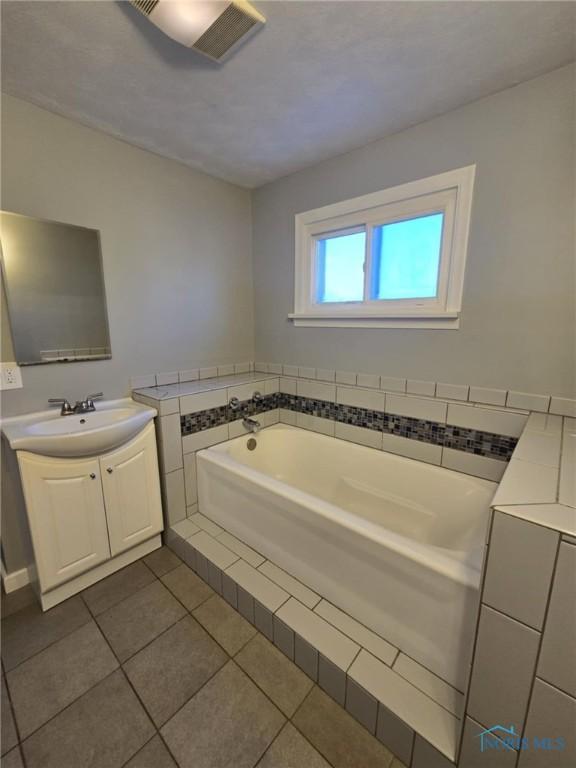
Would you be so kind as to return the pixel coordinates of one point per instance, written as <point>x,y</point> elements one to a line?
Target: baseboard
<point>15,580</point>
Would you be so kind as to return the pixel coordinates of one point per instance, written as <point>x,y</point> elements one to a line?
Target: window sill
<point>445,321</point>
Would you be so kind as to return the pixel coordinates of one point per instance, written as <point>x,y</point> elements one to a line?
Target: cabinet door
<point>66,513</point>
<point>132,492</point>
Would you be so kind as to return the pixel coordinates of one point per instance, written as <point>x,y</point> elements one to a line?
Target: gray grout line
<point>170,569</point>
<point>45,648</point>
<point>154,726</point>
<point>166,629</point>
<point>276,707</point>
<point>358,652</point>
<point>513,618</point>
<point>486,545</point>
<point>562,440</point>
<point>553,685</point>
<point>208,631</point>
<point>304,736</point>
<point>398,651</point>
<point>163,740</point>
<point>12,710</point>
<point>156,730</point>
<point>20,752</point>
<point>501,509</point>
<point>70,704</point>
<point>257,763</point>
<point>96,615</point>
<point>540,640</point>
<point>403,653</point>
<point>140,750</point>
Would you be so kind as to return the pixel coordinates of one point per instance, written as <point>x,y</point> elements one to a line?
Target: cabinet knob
<point>109,470</point>
<point>92,475</point>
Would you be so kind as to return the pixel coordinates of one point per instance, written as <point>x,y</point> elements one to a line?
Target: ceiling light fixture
<point>212,27</point>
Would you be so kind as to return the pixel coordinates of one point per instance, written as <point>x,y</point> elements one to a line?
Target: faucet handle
<point>83,406</point>
<point>66,409</point>
<point>234,404</point>
<point>257,397</point>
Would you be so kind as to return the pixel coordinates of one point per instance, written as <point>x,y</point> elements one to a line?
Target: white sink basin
<point>113,423</point>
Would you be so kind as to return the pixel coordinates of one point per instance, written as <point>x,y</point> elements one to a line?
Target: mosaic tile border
<point>473,441</point>
<point>215,417</point>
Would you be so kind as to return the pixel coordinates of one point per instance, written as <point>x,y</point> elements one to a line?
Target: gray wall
<point>176,247</point>
<point>518,323</point>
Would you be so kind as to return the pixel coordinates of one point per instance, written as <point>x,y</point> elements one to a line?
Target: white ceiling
<point>320,79</point>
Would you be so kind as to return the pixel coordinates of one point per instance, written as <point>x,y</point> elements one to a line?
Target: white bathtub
<point>395,543</point>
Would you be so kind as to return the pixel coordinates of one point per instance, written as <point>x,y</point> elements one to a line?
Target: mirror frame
<point>104,296</point>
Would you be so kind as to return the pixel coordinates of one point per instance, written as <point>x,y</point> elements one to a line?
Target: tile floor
<point>150,668</point>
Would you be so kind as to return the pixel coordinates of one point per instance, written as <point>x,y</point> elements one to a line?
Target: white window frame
<point>449,193</point>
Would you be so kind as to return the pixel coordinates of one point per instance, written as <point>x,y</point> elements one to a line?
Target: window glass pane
<point>340,267</point>
<point>407,258</point>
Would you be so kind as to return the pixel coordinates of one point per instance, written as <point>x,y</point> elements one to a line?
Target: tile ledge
<point>557,517</point>
<point>198,386</point>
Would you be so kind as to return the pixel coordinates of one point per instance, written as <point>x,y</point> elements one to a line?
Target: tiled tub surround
<point>458,438</point>
<point>466,438</point>
<point>179,467</point>
<point>524,668</point>
<point>224,414</point>
<point>320,507</point>
<point>463,393</point>
<point>192,374</point>
<point>502,398</point>
<point>400,699</point>
<point>201,401</point>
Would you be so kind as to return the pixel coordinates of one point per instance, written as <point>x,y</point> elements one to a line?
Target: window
<point>390,259</point>
<point>340,267</point>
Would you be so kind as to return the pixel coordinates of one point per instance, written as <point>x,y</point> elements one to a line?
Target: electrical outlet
<point>10,376</point>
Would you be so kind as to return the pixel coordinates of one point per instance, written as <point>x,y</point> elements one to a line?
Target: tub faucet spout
<point>251,425</point>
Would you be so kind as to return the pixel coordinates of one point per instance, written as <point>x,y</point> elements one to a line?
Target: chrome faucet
<point>82,406</point>
<point>248,423</point>
<point>66,410</point>
<point>251,425</point>
<point>85,406</point>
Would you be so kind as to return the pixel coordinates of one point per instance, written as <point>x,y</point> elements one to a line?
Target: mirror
<point>54,283</point>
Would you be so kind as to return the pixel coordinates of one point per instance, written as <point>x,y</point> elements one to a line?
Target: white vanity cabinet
<point>132,492</point>
<point>65,504</point>
<point>91,513</point>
